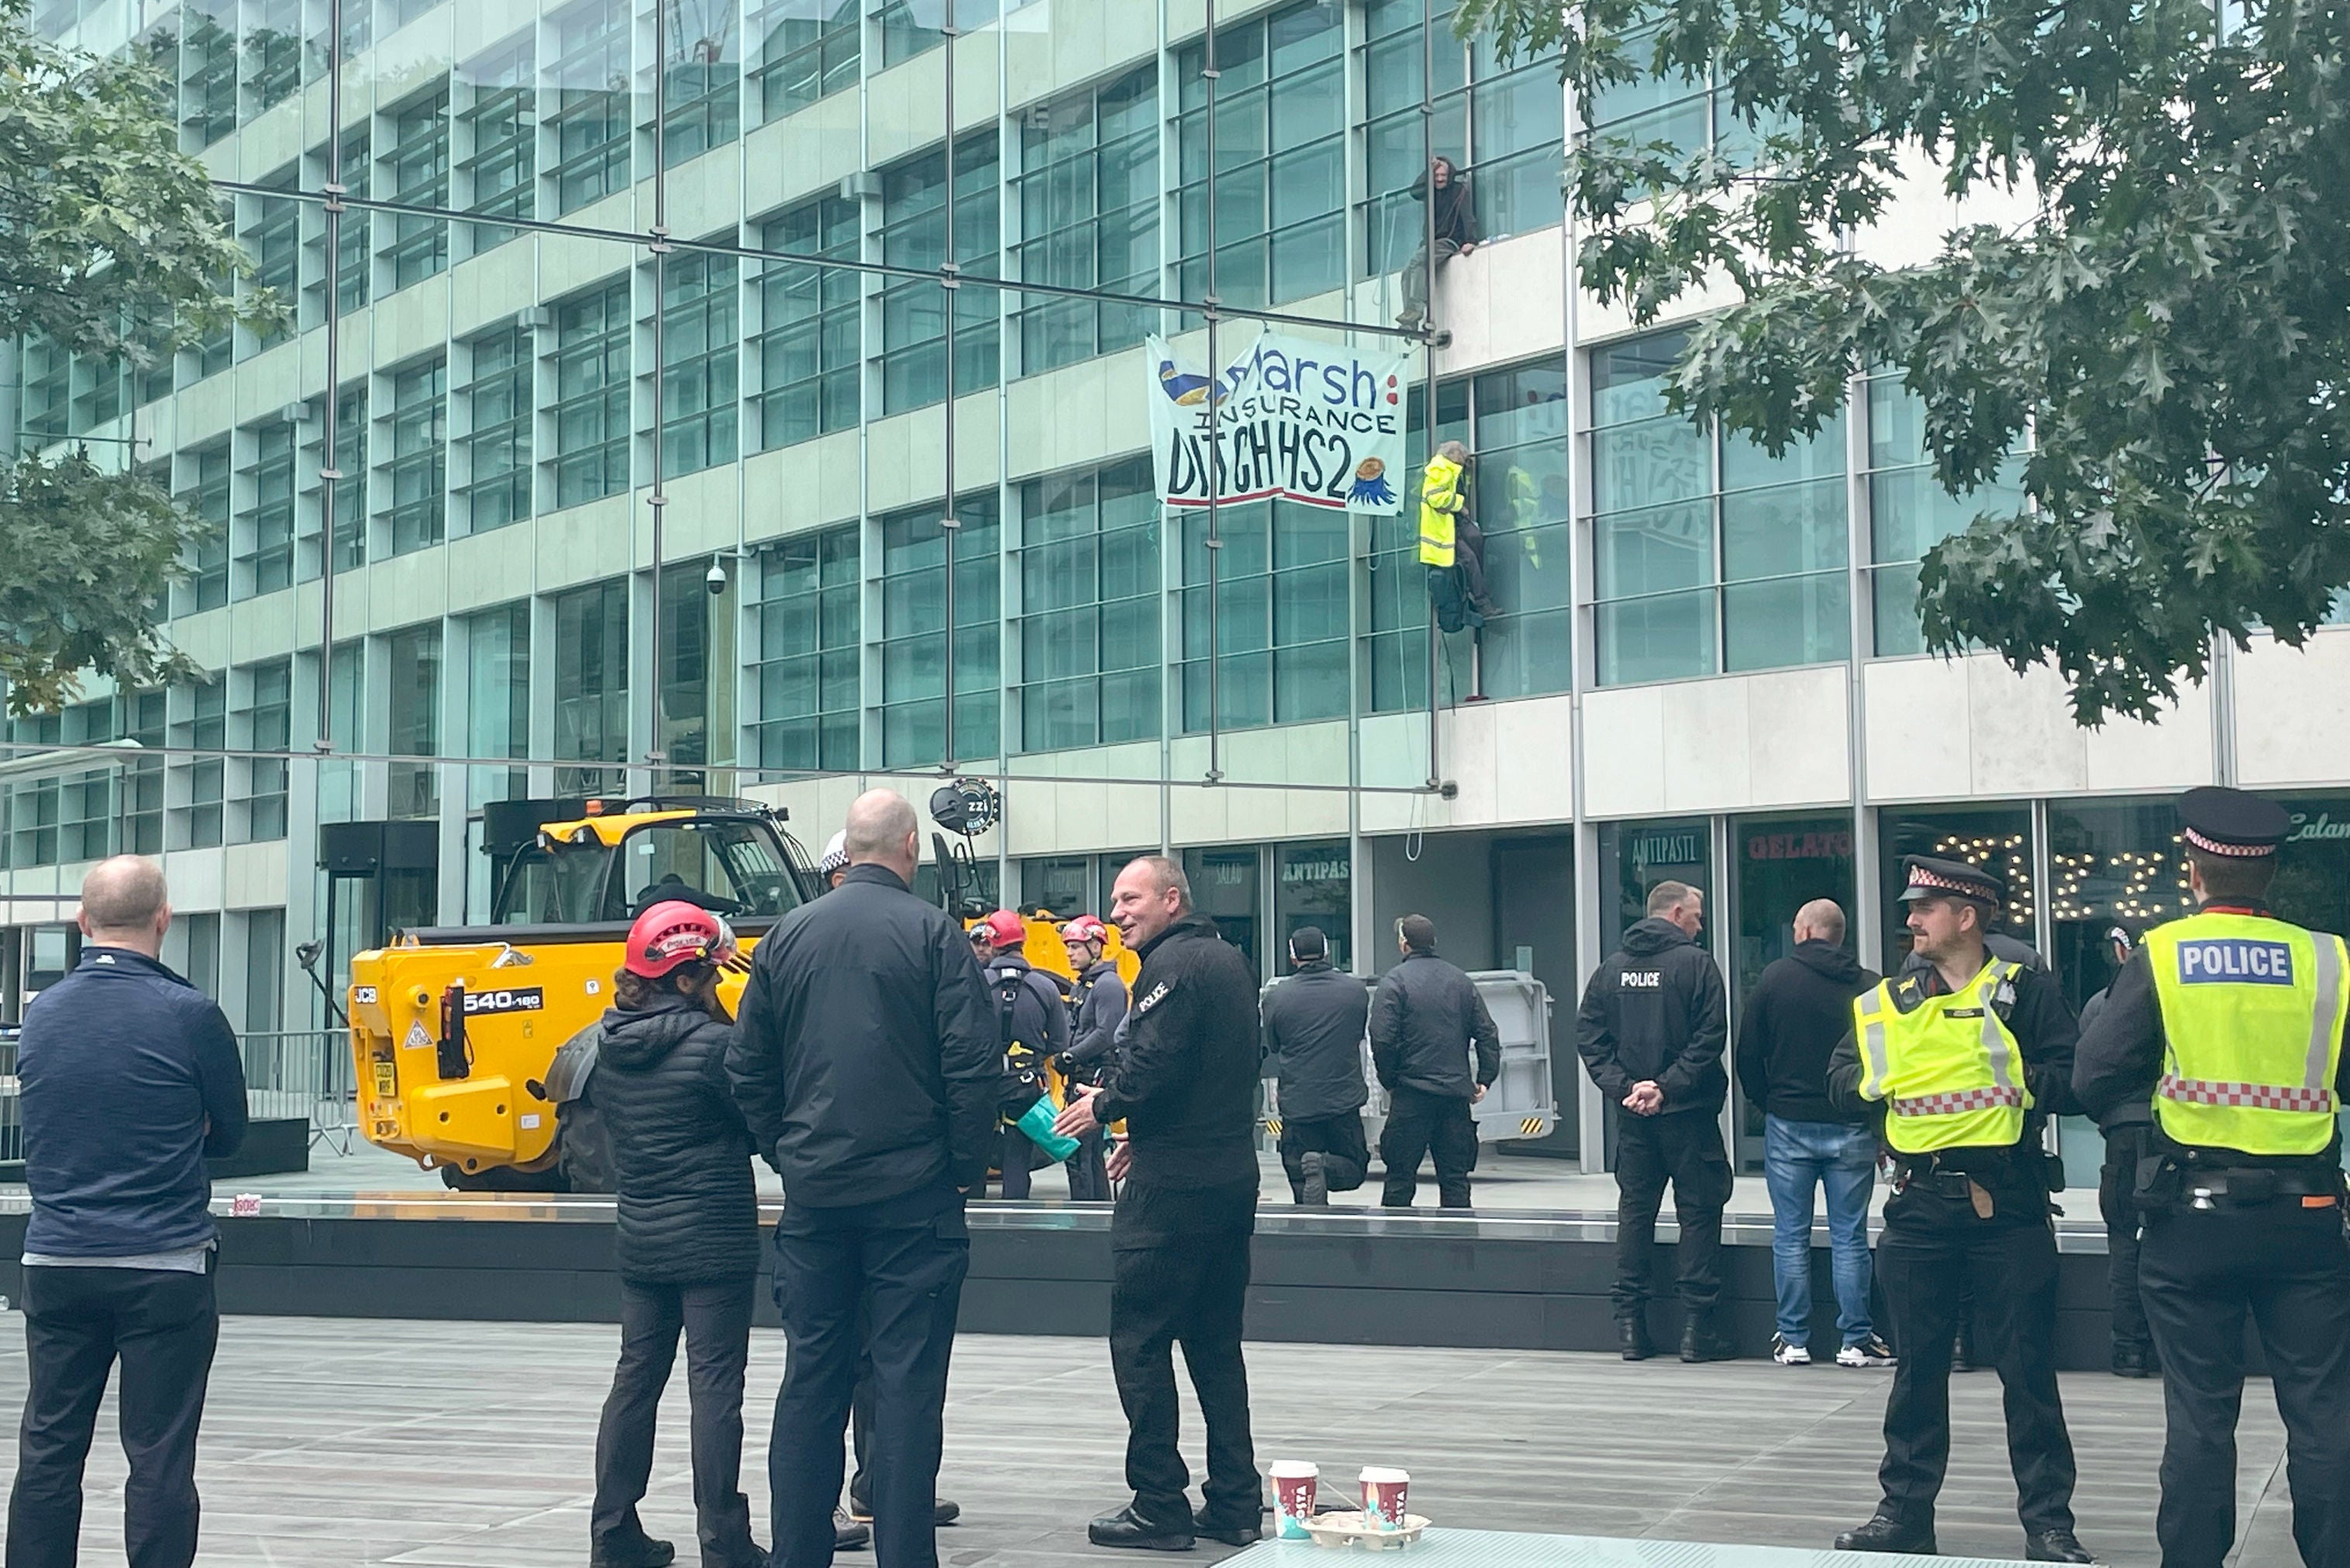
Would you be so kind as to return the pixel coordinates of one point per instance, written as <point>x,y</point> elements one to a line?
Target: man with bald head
<point>1794,1017</point>
<point>129,1078</point>
<point>1185,1086</point>
<point>865,1064</point>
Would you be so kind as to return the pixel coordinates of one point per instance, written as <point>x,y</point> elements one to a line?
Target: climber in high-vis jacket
<point>1451,546</point>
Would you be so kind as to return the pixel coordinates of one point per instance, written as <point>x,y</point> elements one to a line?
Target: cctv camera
<point>715,581</point>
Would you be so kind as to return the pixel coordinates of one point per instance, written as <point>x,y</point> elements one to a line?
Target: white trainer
<point>1787,1355</point>
<point>1869,1352</point>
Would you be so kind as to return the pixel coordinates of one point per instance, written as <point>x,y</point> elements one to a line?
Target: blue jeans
<point>1796,1157</point>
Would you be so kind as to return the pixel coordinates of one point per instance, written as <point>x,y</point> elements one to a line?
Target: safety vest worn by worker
<point>1950,1072</point>
<point>1439,504</point>
<point>2252,1011</point>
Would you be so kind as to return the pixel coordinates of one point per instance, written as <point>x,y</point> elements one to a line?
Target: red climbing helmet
<point>672,934</point>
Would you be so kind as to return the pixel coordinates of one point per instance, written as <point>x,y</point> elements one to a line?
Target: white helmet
<point>836,854</point>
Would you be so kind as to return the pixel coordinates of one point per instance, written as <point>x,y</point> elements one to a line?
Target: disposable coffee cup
<point>1293,1484</point>
<point>1385,1492</point>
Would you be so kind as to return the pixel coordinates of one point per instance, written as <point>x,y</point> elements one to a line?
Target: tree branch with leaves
<point>2167,329</point>
<point>115,251</point>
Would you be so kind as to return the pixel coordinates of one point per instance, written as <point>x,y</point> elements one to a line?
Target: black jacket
<point>2041,1022</point>
<point>1424,1020</point>
<point>865,1056</point>
<point>1096,1009</point>
<point>129,1078</point>
<point>1314,1026</point>
<point>1456,208</point>
<point>1656,1013</point>
<point>1789,1027</point>
<point>1185,1086</point>
<point>2121,1052</point>
<point>688,1210</point>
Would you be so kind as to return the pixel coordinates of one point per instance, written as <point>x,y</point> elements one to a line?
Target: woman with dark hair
<point>688,1237</point>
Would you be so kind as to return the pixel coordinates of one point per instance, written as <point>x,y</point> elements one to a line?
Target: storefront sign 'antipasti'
<point>1313,422</point>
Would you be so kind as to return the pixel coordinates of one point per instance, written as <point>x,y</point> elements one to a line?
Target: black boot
<point>2054,1546</point>
<point>1125,1528</point>
<point>1884,1535</point>
<point>2132,1361</point>
<point>1962,1352</point>
<point>1698,1341</point>
<point>646,1553</point>
<point>1314,1180</point>
<point>1233,1532</point>
<point>1632,1336</point>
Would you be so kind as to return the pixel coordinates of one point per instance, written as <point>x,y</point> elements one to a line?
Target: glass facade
<point>699,387</point>
<point>497,444</point>
<point>1279,617</point>
<point>914,311</point>
<point>1710,554</point>
<point>266,723</point>
<point>1091,669</point>
<point>808,51</point>
<point>1280,159</point>
<point>414,705</point>
<point>591,394</point>
<point>591,704</point>
<point>416,477</point>
<point>809,349</point>
<point>1088,200</point>
<point>923,653</point>
<point>810,701</point>
<point>497,700</point>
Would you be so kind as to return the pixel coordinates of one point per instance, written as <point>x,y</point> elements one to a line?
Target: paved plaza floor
<point>335,1444</point>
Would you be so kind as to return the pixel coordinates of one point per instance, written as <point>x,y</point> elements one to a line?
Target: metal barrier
<point>305,1074</point>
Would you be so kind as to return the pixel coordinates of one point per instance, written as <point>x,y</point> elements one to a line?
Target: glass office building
<point>751,396</point>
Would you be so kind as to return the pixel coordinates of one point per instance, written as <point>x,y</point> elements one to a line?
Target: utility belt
<point>2172,1183</point>
<point>1952,1170</point>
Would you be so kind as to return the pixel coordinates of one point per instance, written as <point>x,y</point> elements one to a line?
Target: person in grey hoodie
<point>1654,1020</point>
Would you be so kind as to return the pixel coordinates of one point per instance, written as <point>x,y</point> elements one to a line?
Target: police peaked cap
<point>1931,879</point>
<point>2227,822</point>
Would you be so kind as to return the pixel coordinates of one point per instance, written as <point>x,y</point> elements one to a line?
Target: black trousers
<point>716,1322</point>
<point>1187,1287</point>
<point>162,1326</point>
<point>1684,1148</point>
<point>1438,1125</point>
<point>1346,1153</point>
<point>894,1268</point>
<point>1089,1170</point>
<point>2116,1203</point>
<point>1933,1242</point>
<point>2287,1268</point>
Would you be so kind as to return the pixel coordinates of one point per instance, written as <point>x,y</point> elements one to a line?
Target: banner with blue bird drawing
<point>1318,423</point>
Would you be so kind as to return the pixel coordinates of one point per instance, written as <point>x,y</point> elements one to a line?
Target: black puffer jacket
<point>689,1212</point>
<point>1656,1013</point>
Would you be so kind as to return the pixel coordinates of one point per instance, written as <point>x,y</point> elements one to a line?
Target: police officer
<point>1959,1064</point>
<point>2128,1132</point>
<point>1651,1030</point>
<point>2228,1023</point>
<point>1185,1086</point>
<point>1314,1028</point>
<point>1097,1007</point>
